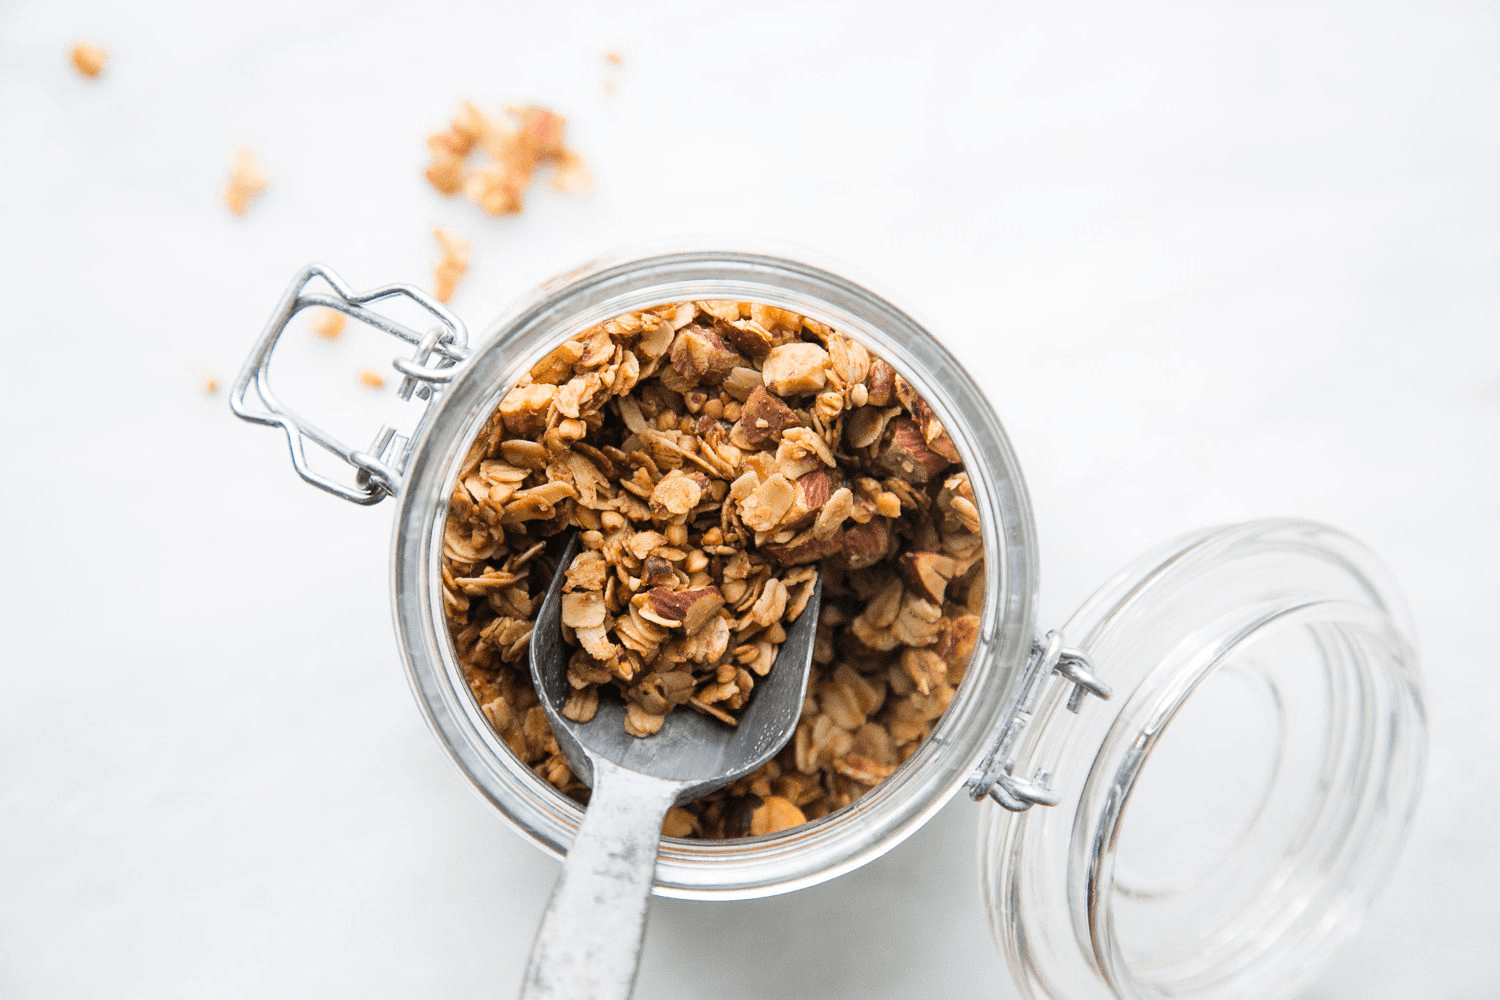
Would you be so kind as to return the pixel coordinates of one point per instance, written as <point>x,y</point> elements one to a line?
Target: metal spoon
<point>589,942</point>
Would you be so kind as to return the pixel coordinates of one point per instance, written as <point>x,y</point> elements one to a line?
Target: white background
<point>1211,261</point>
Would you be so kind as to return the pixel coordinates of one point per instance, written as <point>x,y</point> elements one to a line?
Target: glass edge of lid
<point>1252,853</point>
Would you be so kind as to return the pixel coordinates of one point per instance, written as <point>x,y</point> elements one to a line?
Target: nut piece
<point>524,409</point>
<point>866,544</point>
<point>689,610</point>
<point>904,453</point>
<point>927,573</point>
<point>796,369</point>
<point>880,383</point>
<point>700,356</point>
<point>764,418</point>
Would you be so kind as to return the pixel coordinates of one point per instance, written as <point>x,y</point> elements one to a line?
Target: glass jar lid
<point>1229,814</point>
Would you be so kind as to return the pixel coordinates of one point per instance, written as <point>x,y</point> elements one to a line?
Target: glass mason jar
<point>1264,671</point>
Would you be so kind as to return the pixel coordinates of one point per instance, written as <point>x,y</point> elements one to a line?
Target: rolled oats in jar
<point>717,456</point>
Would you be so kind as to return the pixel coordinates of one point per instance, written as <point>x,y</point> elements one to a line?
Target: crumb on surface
<point>509,156</point>
<point>451,266</point>
<point>328,323</point>
<point>371,378</point>
<point>246,180</point>
<point>572,175</point>
<point>211,385</point>
<point>89,59</point>
<point>613,58</point>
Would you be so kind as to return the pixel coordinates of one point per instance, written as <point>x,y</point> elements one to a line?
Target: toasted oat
<point>613,58</point>
<point>328,323</point>
<point>716,457</point>
<point>246,180</point>
<point>89,59</point>
<point>371,378</point>
<point>452,265</point>
<point>210,385</point>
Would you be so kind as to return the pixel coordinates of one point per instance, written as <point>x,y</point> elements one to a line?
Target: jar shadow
<point>908,924</point>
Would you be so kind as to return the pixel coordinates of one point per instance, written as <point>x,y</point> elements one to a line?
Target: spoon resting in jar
<point>589,941</point>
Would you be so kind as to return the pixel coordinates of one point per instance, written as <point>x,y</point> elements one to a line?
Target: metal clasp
<point>378,468</point>
<point>995,777</point>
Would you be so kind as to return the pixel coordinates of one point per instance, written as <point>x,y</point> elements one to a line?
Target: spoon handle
<point>589,943</point>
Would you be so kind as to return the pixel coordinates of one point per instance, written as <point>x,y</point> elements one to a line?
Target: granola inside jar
<point>716,455</point>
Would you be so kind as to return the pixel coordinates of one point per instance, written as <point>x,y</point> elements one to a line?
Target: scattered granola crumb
<point>210,385</point>
<point>89,59</point>
<point>514,154</point>
<point>371,378</point>
<point>328,323</point>
<point>454,262</point>
<point>716,457</point>
<point>245,182</point>
<point>613,58</point>
<point>572,175</point>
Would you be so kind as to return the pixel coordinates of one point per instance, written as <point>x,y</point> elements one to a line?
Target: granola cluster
<point>715,457</point>
<point>514,155</point>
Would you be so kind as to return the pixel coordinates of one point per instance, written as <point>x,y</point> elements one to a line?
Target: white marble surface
<point>1213,261</point>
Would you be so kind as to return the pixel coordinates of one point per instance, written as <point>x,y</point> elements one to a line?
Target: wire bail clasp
<point>436,360</point>
<point>996,776</point>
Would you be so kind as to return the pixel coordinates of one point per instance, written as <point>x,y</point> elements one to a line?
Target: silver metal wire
<point>996,773</point>
<point>378,468</point>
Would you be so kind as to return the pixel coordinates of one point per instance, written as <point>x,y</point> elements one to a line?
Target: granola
<point>246,180</point>
<point>515,154</point>
<point>452,265</point>
<point>715,457</point>
<point>89,59</point>
<point>328,323</point>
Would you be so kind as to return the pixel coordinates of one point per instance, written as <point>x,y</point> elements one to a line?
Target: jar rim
<point>608,287</point>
